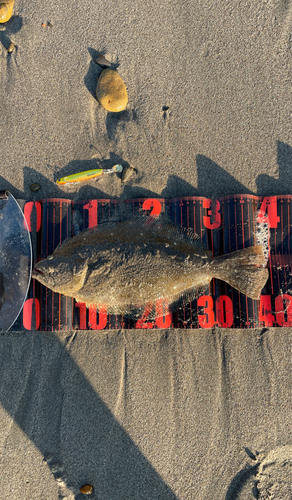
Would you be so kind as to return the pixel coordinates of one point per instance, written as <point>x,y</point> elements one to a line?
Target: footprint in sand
<point>64,490</point>
<point>267,477</point>
<point>274,477</point>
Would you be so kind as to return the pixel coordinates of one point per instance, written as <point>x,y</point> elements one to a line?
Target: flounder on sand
<point>122,264</point>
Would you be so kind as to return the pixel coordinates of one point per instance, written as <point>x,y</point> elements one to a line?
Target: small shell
<point>35,187</point>
<point>11,47</point>
<point>127,173</point>
<point>102,61</point>
<point>2,28</point>
<point>87,489</point>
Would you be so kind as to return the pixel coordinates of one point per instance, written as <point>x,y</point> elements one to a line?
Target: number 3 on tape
<point>213,207</point>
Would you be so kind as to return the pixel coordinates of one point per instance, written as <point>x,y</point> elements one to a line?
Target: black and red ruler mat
<point>224,225</point>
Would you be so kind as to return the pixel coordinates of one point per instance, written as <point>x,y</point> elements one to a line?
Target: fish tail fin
<point>243,269</point>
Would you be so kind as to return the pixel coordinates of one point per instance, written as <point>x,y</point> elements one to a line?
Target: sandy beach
<point>147,414</point>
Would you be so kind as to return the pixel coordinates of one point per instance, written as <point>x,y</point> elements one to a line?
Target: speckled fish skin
<point>130,263</point>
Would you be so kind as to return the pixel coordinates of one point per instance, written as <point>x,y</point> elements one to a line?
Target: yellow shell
<point>111,91</point>
<point>87,489</point>
<point>6,9</point>
<point>11,47</point>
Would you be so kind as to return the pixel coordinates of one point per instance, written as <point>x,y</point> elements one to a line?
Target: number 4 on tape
<point>269,207</point>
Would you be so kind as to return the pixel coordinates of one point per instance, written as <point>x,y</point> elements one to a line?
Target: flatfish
<point>123,264</point>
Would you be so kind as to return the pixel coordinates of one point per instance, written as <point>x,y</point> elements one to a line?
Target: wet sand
<point>147,414</point>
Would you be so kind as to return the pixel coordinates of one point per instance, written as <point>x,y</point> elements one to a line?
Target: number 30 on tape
<point>224,311</point>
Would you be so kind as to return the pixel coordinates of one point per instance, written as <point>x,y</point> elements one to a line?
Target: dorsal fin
<point>132,229</point>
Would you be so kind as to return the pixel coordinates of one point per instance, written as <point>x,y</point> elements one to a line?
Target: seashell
<point>11,47</point>
<point>127,173</point>
<point>6,9</point>
<point>2,28</point>
<point>111,91</point>
<point>102,61</point>
<point>35,187</point>
<point>87,489</point>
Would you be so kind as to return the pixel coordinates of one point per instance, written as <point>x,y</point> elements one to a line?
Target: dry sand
<point>148,415</point>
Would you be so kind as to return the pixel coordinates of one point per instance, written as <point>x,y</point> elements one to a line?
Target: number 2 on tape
<point>154,204</point>
<point>142,322</point>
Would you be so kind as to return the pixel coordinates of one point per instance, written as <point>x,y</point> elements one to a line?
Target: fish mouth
<point>36,272</point>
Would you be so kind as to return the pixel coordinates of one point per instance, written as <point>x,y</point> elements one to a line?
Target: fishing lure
<point>87,175</point>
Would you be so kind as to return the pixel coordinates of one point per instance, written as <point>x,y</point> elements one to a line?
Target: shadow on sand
<point>13,26</point>
<point>211,177</point>
<point>113,464</point>
<point>98,450</point>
